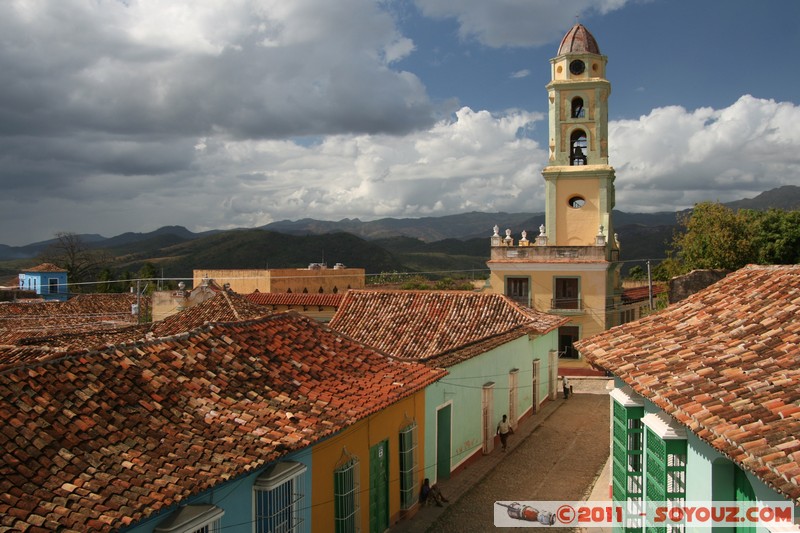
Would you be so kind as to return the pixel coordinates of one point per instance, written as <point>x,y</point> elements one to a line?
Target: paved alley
<point>559,458</point>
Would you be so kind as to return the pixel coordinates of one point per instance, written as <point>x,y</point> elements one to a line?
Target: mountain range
<point>452,242</point>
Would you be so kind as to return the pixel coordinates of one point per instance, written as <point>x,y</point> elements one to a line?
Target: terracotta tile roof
<point>24,355</point>
<point>83,313</point>
<point>448,326</point>
<point>725,362</point>
<point>89,339</point>
<point>295,299</point>
<point>222,307</point>
<point>638,294</point>
<point>99,440</point>
<point>554,261</point>
<point>45,267</point>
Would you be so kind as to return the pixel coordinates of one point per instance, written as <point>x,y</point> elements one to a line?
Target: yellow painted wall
<point>358,439</point>
<point>320,314</point>
<point>577,227</point>
<point>283,279</point>
<point>299,279</point>
<point>542,285</point>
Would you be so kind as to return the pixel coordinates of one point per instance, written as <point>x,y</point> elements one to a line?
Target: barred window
<point>408,466</point>
<point>346,512</point>
<point>279,498</point>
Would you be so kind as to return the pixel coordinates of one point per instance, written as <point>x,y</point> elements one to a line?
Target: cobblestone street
<point>559,460</point>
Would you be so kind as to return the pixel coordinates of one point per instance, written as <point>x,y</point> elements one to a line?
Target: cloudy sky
<point>128,115</point>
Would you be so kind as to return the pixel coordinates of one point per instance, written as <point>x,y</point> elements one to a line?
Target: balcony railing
<point>546,253</point>
<point>569,304</point>
<point>524,301</point>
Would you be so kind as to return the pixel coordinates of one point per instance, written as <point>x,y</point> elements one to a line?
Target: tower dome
<point>578,40</point>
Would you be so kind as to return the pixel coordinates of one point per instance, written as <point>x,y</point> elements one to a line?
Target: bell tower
<point>579,183</point>
<point>571,268</point>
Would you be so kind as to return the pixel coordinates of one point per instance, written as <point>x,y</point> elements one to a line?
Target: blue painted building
<point>47,280</point>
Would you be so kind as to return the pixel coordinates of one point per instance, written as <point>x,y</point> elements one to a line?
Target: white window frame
<point>282,484</point>
<point>193,519</point>
<point>408,469</point>
<point>350,500</point>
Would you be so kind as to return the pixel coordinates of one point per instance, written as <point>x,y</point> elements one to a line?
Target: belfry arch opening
<point>577,108</point>
<point>577,152</point>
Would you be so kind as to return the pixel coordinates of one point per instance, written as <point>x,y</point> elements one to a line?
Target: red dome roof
<point>578,40</point>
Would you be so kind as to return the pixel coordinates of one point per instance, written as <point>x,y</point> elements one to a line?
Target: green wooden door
<point>443,421</point>
<point>744,494</point>
<point>379,487</point>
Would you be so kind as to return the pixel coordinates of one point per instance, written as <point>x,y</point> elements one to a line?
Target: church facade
<point>571,267</point>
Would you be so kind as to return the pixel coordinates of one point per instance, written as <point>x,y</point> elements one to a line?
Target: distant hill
<point>786,198</point>
<point>452,242</point>
<point>256,248</point>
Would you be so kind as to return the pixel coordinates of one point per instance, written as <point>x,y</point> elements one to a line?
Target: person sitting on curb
<point>431,495</point>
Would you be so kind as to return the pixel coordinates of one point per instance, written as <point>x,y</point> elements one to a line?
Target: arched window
<point>577,153</point>
<point>577,108</point>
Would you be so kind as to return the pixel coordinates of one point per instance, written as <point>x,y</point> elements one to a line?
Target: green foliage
<point>778,236</point>
<point>415,283</point>
<point>667,269</point>
<point>716,237</point>
<point>450,284</point>
<point>148,276</point>
<point>637,273</point>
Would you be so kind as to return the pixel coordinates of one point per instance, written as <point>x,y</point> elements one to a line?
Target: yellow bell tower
<point>579,183</point>
<point>571,268</point>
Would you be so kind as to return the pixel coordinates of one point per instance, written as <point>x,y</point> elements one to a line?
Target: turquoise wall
<point>236,498</point>
<point>462,388</point>
<point>709,474</point>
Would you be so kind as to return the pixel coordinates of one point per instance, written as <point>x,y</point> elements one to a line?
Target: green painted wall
<point>708,473</point>
<point>463,388</point>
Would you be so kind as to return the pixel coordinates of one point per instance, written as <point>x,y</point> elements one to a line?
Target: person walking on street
<point>565,385</point>
<point>504,429</point>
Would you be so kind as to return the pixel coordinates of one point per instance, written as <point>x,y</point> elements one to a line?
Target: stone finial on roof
<point>496,239</point>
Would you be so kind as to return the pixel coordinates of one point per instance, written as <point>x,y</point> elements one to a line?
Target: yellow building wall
<point>324,314</point>
<point>577,227</point>
<point>330,280</point>
<point>357,439</point>
<point>243,281</point>
<point>592,286</point>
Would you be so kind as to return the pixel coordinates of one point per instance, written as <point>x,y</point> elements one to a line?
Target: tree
<point>106,277</point>
<point>148,275</point>
<point>715,237</point>
<point>72,254</point>
<point>637,273</point>
<point>778,236</point>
